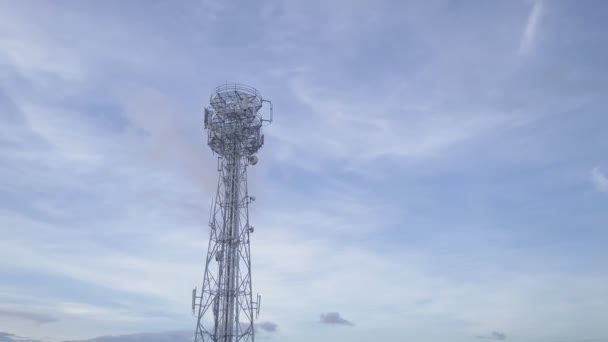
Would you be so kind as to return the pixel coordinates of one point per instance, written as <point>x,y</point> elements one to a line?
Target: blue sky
<point>437,170</point>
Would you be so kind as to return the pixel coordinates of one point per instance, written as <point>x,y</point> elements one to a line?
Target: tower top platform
<point>234,122</point>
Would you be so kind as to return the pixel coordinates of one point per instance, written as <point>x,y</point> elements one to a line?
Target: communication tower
<point>226,307</point>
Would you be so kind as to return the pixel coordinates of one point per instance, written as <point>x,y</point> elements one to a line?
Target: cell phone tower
<point>226,307</point>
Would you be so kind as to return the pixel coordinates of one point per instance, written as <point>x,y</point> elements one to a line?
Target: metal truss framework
<point>226,309</point>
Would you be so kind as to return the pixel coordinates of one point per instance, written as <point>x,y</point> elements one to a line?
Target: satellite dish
<point>253,160</point>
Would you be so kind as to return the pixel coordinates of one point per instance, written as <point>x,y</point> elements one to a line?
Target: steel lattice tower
<point>226,307</point>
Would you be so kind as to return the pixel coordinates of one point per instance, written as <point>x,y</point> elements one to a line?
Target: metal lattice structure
<point>226,307</point>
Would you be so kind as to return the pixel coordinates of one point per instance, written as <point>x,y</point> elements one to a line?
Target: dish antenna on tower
<point>253,160</point>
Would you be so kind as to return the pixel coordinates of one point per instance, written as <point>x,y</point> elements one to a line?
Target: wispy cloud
<point>8,337</point>
<point>26,315</point>
<point>495,335</point>
<point>599,179</point>
<point>530,32</point>
<point>388,124</point>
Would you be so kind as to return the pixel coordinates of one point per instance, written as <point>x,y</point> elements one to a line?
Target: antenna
<point>207,115</point>
<point>193,299</point>
<point>234,132</point>
<point>257,313</point>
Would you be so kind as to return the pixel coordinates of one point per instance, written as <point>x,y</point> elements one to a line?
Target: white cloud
<point>387,124</point>
<point>530,32</point>
<point>599,179</point>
